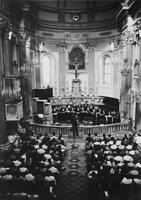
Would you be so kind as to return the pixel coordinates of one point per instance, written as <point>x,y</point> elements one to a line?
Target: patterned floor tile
<point>74,160</point>
<point>73,183</point>
<point>73,166</point>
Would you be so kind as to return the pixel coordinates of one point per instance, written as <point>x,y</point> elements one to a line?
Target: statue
<point>76,64</point>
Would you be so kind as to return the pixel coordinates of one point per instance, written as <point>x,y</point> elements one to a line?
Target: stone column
<point>6,55</point>
<point>137,109</point>
<point>3,129</point>
<point>115,79</point>
<point>91,69</point>
<point>35,66</point>
<point>116,72</point>
<point>23,75</point>
<point>125,99</point>
<point>134,96</point>
<point>62,70</point>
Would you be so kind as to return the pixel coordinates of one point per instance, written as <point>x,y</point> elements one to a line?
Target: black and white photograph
<point>70,99</point>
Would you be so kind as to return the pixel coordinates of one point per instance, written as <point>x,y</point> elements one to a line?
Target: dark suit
<point>75,125</point>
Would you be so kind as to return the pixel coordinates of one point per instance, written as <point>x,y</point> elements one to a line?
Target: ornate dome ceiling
<point>78,15</point>
<point>76,18</point>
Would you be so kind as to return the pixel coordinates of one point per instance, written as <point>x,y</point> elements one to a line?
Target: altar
<point>76,87</point>
<point>76,82</point>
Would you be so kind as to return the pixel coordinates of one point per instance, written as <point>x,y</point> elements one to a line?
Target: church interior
<point>70,99</point>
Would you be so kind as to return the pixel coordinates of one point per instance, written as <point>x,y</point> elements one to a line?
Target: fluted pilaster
<point>3,128</point>
<point>22,38</point>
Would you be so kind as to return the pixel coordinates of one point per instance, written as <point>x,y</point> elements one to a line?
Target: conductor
<point>75,125</point>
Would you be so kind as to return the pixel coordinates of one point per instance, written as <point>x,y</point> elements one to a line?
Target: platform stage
<point>90,110</point>
<point>61,109</point>
<point>76,88</point>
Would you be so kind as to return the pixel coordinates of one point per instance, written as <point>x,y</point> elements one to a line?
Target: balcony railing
<point>49,129</point>
<point>117,127</point>
<point>65,130</point>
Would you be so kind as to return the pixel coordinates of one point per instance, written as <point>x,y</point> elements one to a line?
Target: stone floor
<point>73,183</point>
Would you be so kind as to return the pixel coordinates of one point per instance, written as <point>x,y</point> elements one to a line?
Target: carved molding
<point>62,46</point>
<point>3,22</point>
<point>5,26</point>
<point>9,31</point>
<point>90,46</point>
<point>128,37</point>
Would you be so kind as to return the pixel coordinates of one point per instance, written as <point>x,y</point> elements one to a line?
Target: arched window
<point>107,64</point>
<point>14,55</point>
<point>48,70</point>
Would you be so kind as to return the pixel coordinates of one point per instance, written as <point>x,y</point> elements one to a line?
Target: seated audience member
<point>112,163</point>
<point>61,139</point>
<point>53,138</point>
<point>89,138</point>
<point>33,166</point>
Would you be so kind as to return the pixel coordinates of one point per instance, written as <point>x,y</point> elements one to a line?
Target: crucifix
<point>76,63</point>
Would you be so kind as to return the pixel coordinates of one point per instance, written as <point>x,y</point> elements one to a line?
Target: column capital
<point>37,44</point>
<point>117,43</point>
<point>23,36</point>
<point>62,46</point>
<point>128,37</point>
<point>90,44</point>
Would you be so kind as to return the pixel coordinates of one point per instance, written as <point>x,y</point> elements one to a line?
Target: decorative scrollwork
<point>90,46</point>
<point>3,22</point>
<point>23,36</point>
<point>6,27</point>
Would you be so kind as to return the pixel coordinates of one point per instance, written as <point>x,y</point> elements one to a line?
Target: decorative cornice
<point>102,25</point>
<point>23,36</point>
<point>90,46</point>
